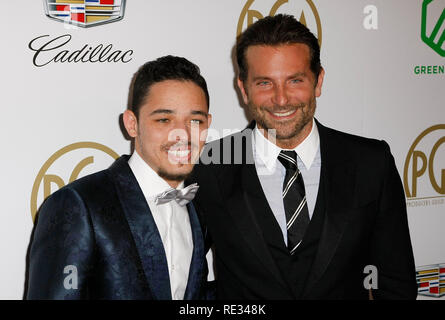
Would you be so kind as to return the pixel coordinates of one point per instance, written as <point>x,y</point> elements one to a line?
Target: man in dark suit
<point>131,232</point>
<point>297,210</point>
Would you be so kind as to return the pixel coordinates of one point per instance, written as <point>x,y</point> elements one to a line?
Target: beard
<point>173,177</point>
<point>181,176</point>
<point>285,130</point>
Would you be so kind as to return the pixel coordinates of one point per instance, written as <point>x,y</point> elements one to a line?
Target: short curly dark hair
<point>273,31</point>
<point>164,68</point>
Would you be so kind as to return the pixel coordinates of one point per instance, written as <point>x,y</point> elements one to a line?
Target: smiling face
<point>169,131</point>
<point>281,90</point>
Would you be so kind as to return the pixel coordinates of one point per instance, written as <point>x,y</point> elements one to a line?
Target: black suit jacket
<point>365,222</point>
<point>102,225</point>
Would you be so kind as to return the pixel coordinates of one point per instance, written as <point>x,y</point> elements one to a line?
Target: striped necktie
<point>294,199</point>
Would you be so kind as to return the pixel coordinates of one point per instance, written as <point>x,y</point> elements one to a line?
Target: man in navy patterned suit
<point>131,231</point>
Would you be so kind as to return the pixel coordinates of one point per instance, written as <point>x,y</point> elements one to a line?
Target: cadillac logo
<point>85,13</point>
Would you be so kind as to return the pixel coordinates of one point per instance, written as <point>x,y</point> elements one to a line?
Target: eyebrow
<point>157,111</point>
<point>260,78</point>
<point>202,113</point>
<point>168,111</point>
<point>295,75</point>
<point>298,74</point>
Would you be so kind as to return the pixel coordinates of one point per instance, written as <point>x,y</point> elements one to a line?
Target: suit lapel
<point>337,178</point>
<point>195,278</point>
<point>143,228</point>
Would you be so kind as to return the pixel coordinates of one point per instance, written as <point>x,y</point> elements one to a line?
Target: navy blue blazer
<point>99,229</point>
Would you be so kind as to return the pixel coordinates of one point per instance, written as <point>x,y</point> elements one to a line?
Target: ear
<point>243,90</point>
<point>130,123</point>
<point>319,83</point>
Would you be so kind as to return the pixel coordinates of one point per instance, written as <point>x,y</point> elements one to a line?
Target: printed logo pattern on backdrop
<point>432,30</point>
<point>433,25</point>
<point>85,13</point>
<point>78,156</point>
<point>304,10</point>
<point>431,280</point>
<point>49,51</point>
<point>425,158</point>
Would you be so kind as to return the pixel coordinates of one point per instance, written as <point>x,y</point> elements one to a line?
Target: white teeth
<point>179,153</point>
<point>283,114</point>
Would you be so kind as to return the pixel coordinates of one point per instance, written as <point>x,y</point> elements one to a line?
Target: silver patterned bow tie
<point>182,196</point>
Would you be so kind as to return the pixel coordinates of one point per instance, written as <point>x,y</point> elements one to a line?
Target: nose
<point>180,132</point>
<point>280,97</point>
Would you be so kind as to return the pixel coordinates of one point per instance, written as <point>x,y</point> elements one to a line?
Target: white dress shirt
<point>173,224</point>
<point>271,172</point>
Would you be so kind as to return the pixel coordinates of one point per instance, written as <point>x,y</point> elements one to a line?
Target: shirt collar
<point>149,181</point>
<point>268,152</point>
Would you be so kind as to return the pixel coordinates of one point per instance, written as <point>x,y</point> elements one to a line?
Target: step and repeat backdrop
<point>66,67</point>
